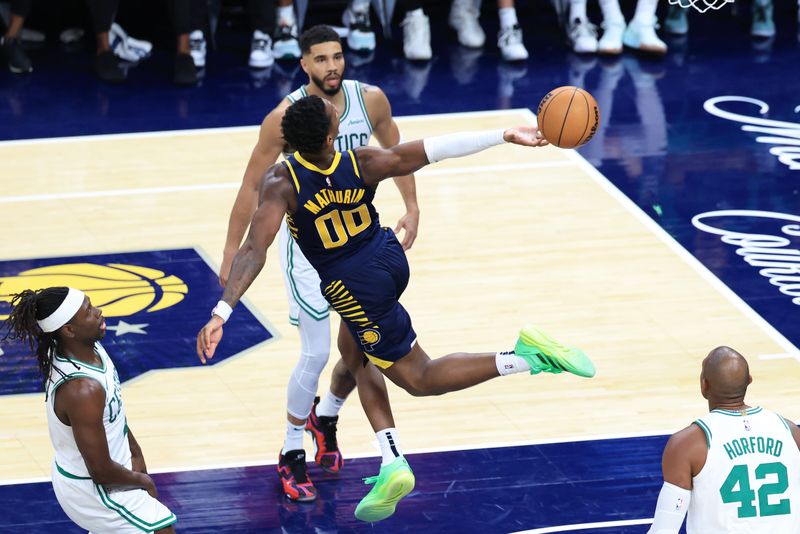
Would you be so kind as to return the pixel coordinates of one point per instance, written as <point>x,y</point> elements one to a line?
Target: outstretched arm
<point>378,163</point>
<point>265,153</point>
<point>388,135</point>
<point>275,199</point>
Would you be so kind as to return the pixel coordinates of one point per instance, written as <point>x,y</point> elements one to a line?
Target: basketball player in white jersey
<point>364,111</point>
<point>736,470</point>
<point>99,474</point>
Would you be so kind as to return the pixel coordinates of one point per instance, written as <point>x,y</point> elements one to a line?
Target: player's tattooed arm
<point>275,199</point>
<point>277,196</point>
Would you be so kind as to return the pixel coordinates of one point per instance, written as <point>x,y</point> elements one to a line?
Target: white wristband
<point>222,310</point>
<point>460,144</point>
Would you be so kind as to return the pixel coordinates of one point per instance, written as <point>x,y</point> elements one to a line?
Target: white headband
<point>64,312</point>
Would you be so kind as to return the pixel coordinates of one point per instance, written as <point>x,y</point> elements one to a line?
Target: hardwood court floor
<point>507,237</point>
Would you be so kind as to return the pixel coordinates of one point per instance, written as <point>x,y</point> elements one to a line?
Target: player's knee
<point>313,362</point>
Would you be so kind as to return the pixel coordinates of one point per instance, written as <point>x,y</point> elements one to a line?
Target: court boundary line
<point>738,302</point>
<point>584,526</point>
<point>19,199</point>
<point>228,129</point>
<point>376,454</point>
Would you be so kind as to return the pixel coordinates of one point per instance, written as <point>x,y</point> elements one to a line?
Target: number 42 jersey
<point>750,483</point>
<point>335,223</point>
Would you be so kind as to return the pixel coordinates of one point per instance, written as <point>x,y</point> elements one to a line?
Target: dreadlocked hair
<point>305,124</point>
<point>27,308</point>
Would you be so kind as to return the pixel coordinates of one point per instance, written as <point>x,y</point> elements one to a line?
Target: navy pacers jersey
<point>335,223</point>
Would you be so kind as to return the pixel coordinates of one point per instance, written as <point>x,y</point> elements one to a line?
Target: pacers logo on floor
<point>154,304</point>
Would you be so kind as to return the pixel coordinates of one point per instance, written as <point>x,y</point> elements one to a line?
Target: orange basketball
<point>568,116</point>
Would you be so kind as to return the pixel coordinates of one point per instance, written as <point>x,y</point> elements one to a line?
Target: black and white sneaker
<point>14,56</point>
<point>360,36</point>
<point>285,45</point>
<point>261,55</point>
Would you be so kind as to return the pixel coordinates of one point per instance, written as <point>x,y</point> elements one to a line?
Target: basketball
<point>568,116</point>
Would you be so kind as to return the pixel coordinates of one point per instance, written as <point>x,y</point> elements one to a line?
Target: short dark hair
<point>305,124</point>
<point>316,35</point>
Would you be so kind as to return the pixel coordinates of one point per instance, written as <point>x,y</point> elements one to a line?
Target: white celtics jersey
<point>750,483</point>
<point>68,457</point>
<point>355,129</point>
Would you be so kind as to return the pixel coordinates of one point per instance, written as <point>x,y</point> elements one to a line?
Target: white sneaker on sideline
<point>126,47</point>
<point>582,36</point>
<point>643,37</point>
<point>509,41</point>
<point>611,41</point>
<point>464,20</point>
<point>285,45</point>
<point>197,48</point>
<point>360,37</point>
<point>417,37</point>
<point>261,55</point>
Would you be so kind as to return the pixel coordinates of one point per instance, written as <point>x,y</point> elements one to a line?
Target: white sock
<point>390,445</point>
<point>577,10</point>
<point>508,17</point>
<point>285,15</point>
<point>359,6</point>
<point>330,405</point>
<point>294,437</point>
<point>415,13</point>
<point>509,363</point>
<point>612,14</point>
<point>645,12</point>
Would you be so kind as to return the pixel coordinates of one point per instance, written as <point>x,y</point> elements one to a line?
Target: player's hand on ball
<point>525,136</point>
<point>208,338</point>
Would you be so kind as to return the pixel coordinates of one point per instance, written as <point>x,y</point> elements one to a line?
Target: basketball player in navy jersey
<point>364,112</point>
<point>327,198</point>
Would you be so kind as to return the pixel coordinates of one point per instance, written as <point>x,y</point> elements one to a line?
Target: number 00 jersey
<point>750,482</point>
<point>335,223</point>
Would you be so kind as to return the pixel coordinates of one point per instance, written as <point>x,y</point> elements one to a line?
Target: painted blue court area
<point>493,490</point>
<point>152,302</point>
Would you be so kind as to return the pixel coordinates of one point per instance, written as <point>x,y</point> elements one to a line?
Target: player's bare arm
<point>388,135</point>
<point>379,164</point>
<point>137,457</point>
<point>80,404</point>
<point>266,151</point>
<point>277,196</point>
<point>684,456</point>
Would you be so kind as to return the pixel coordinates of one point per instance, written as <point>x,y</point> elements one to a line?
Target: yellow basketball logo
<point>369,337</point>
<point>119,289</point>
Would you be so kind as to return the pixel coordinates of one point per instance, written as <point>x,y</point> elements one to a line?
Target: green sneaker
<point>545,354</point>
<point>394,482</point>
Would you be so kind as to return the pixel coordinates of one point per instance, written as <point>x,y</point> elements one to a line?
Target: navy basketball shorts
<point>367,300</point>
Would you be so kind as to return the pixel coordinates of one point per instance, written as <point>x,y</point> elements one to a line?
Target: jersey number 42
<point>736,489</point>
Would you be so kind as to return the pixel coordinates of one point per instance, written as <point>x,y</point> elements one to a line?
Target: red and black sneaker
<point>292,471</point>
<point>323,432</point>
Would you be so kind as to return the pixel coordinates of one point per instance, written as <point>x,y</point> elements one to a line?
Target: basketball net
<point>700,5</point>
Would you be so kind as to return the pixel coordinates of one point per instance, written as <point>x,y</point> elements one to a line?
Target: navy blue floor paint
<point>152,302</point>
<point>485,490</point>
